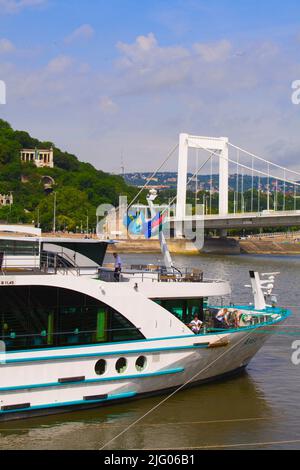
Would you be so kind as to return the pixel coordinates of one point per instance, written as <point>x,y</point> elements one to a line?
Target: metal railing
<point>240,317</point>
<point>58,262</point>
<point>151,273</point>
<point>46,338</point>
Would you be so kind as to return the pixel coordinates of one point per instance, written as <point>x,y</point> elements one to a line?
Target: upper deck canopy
<point>13,248</point>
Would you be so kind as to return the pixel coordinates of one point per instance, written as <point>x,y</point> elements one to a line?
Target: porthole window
<point>121,365</point>
<point>100,367</point>
<point>140,363</point>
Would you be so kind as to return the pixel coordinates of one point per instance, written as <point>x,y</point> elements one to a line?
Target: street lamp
<point>54,213</point>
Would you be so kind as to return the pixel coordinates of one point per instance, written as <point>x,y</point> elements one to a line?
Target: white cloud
<point>146,65</point>
<point>145,53</point>
<point>84,31</point>
<point>107,105</point>
<point>59,64</point>
<point>211,52</point>
<point>16,6</point>
<point>6,46</point>
<point>156,91</point>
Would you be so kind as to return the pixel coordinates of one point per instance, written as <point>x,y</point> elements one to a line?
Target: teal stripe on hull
<point>101,354</point>
<point>93,381</point>
<point>72,403</point>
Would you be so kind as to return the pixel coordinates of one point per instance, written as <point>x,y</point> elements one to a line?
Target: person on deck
<point>196,325</point>
<point>222,317</point>
<point>118,267</point>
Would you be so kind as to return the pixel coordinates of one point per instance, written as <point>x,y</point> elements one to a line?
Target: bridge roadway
<point>247,220</point>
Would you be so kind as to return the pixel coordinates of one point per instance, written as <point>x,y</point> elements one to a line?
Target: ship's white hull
<point>34,382</point>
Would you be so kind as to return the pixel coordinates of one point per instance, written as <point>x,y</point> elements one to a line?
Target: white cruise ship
<point>73,337</point>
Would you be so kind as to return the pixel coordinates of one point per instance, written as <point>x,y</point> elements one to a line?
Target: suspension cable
<point>284,192</point>
<point>263,159</point>
<point>252,182</point>
<point>171,201</point>
<point>242,192</point>
<point>237,182</point>
<point>268,188</point>
<point>258,194</point>
<point>211,183</point>
<point>249,168</point>
<point>153,175</point>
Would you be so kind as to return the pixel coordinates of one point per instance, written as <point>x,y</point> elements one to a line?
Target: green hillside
<point>79,187</point>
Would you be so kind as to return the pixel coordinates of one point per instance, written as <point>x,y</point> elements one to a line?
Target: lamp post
<point>54,213</point>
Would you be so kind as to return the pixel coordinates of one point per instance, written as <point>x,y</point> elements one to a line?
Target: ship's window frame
<point>183,309</point>
<point>143,361</point>
<point>121,365</point>
<point>101,367</point>
<point>34,317</point>
<point>20,247</point>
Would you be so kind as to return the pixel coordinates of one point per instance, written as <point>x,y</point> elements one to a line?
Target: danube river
<point>258,409</point>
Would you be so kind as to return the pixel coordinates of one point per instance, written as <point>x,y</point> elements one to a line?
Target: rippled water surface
<point>258,409</point>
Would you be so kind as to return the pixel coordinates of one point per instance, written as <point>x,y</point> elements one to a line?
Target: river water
<point>258,409</point>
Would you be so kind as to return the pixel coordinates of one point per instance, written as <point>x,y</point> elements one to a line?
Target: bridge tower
<point>217,145</point>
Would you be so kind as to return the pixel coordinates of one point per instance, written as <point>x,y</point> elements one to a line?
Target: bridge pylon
<point>218,146</point>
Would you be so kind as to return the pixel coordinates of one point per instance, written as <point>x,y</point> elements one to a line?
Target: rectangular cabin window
<point>38,316</point>
<point>183,309</point>
<point>19,248</point>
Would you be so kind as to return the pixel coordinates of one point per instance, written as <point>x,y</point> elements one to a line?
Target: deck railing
<point>152,273</point>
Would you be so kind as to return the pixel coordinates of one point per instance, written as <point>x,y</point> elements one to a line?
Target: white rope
<point>226,446</point>
<point>189,423</point>
<point>243,338</point>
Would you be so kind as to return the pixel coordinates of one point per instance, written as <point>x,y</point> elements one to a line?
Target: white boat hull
<point>33,382</point>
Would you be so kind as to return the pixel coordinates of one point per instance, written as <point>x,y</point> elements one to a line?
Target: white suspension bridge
<point>282,184</point>
<point>284,181</point>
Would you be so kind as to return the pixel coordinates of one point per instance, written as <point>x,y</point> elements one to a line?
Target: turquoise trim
<point>285,315</point>
<point>101,354</point>
<point>101,344</point>
<point>92,381</point>
<point>70,403</point>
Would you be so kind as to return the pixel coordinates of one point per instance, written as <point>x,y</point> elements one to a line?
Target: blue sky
<point>105,78</point>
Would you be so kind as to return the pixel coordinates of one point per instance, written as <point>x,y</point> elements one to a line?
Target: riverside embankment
<point>221,246</point>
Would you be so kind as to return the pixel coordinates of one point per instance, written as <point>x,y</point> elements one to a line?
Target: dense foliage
<point>80,188</point>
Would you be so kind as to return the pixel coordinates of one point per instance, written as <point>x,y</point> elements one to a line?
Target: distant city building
<point>6,199</point>
<point>40,157</point>
<point>158,186</point>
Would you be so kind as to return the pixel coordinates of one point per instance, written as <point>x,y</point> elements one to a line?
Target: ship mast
<point>168,262</point>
